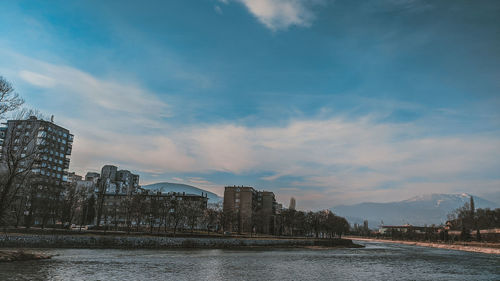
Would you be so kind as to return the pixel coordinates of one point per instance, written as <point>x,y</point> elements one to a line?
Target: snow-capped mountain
<point>166,187</point>
<point>420,210</point>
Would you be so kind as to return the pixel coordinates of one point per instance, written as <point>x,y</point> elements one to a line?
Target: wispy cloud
<point>218,9</point>
<point>281,14</point>
<point>120,96</point>
<point>37,79</point>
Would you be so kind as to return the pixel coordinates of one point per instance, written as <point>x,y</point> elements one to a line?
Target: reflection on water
<point>375,262</point>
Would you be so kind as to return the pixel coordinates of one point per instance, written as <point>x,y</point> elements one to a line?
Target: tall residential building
<point>51,143</point>
<point>267,209</point>
<point>112,187</point>
<point>73,177</point>
<point>43,148</point>
<point>250,210</point>
<point>92,176</point>
<point>3,131</point>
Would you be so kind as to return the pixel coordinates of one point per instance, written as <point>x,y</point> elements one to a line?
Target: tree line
<point>470,221</point>
<point>320,224</point>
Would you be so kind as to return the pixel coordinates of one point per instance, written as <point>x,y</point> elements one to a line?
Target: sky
<point>331,102</point>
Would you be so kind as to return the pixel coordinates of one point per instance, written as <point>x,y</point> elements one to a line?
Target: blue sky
<point>332,102</point>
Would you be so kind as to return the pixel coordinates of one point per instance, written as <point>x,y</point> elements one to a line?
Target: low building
<point>121,202</point>
<point>388,229</point>
<point>148,208</point>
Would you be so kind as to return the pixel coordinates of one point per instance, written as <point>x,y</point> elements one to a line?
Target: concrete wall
<point>131,242</point>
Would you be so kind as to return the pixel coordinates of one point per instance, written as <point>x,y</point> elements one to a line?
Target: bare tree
<point>9,99</point>
<point>139,208</point>
<point>193,213</point>
<point>18,156</point>
<point>227,218</point>
<point>165,207</point>
<point>154,206</point>
<point>73,204</point>
<point>177,214</point>
<point>212,219</point>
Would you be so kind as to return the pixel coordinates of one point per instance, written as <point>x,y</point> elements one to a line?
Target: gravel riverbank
<point>476,249</point>
<point>20,255</point>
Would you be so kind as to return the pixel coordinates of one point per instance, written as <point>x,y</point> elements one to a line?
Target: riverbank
<point>158,242</point>
<point>483,248</point>
<point>20,255</point>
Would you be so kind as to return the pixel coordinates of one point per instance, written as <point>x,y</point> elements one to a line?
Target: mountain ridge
<point>424,209</point>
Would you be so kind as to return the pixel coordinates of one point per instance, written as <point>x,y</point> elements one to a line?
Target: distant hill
<point>420,210</point>
<point>166,187</point>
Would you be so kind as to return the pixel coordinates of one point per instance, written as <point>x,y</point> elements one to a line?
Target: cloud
<point>321,162</point>
<point>281,14</point>
<point>37,79</point>
<point>218,9</point>
<point>122,96</point>
<point>341,160</point>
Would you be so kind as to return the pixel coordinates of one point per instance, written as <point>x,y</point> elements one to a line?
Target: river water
<point>378,261</point>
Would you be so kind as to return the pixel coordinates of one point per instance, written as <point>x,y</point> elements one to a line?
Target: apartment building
<point>40,150</point>
<point>249,210</point>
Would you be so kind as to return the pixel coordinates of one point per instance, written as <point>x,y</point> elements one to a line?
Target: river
<point>378,261</point>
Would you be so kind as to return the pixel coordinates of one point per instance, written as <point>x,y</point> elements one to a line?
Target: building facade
<point>113,188</point>
<point>40,150</point>
<point>249,210</point>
